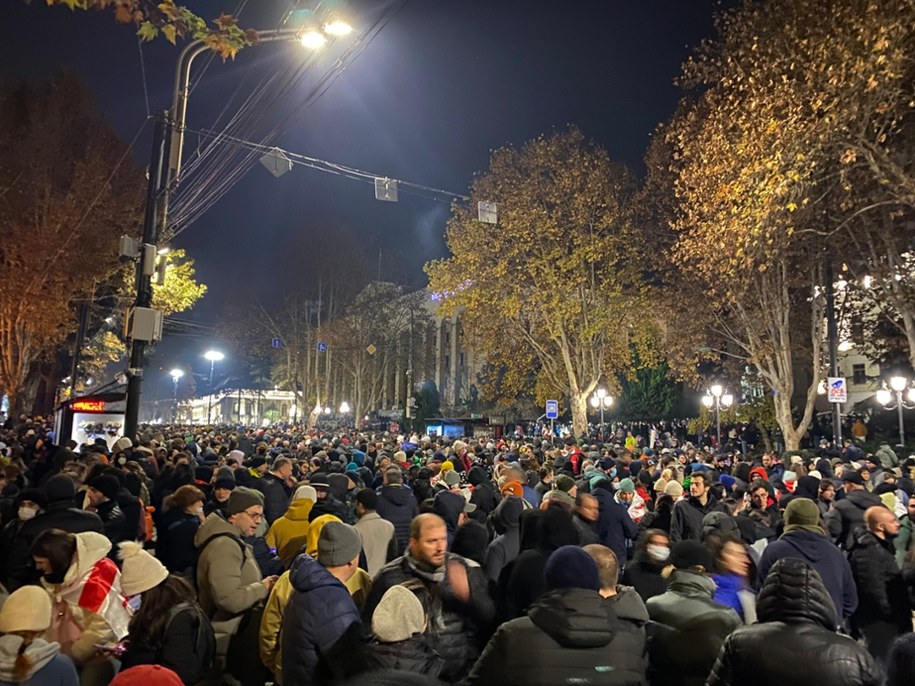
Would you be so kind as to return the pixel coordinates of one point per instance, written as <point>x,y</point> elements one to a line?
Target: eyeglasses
<point>256,516</point>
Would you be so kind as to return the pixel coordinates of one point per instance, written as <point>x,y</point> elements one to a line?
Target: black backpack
<point>204,643</point>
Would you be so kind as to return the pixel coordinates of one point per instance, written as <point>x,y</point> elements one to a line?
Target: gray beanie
<point>241,499</point>
<point>338,544</point>
<point>398,616</point>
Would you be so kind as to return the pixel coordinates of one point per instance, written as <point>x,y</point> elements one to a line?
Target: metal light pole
<point>176,374</point>
<point>213,356</point>
<point>600,400</point>
<point>885,396</point>
<point>717,398</point>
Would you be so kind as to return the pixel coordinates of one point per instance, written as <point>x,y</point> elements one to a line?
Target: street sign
<point>277,343</point>
<point>552,409</point>
<point>322,347</point>
<point>371,350</point>
<point>386,189</point>
<point>836,389</point>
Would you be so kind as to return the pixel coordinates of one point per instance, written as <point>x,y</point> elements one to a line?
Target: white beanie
<point>305,492</point>
<point>140,571</point>
<point>27,609</point>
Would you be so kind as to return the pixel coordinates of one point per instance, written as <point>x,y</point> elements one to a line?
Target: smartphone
<point>117,649</point>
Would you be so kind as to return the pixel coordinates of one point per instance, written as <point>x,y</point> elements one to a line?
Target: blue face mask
<point>613,472</point>
<point>133,603</point>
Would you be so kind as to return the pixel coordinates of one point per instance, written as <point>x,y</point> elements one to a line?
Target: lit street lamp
<point>717,398</point>
<point>601,400</point>
<point>213,356</point>
<point>898,388</point>
<point>344,407</point>
<point>176,374</point>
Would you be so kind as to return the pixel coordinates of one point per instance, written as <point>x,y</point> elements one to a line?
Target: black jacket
<point>847,517</point>
<point>506,546</point>
<point>794,643</point>
<point>175,540</point>
<point>115,523</point>
<point>455,630</point>
<point>484,493</point>
<point>645,576</point>
<point>614,525</point>
<point>398,506</point>
<point>882,592</point>
<point>178,648</point>
<point>686,519</point>
<point>276,496</point>
<point>413,655</point>
<point>569,636</point>
<point>59,515</point>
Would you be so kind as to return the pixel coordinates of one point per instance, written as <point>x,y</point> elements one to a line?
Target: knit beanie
<point>564,483</point>
<point>673,489</point>
<point>571,567</point>
<point>398,615</point>
<point>26,609</point>
<point>627,486</point>
<point>305,492</point>
<point>107,485</point>
<point>147,675</point>
<point>140,571</point>
<point>59,487</point>
<point>338,544</point>
<point>241,499</point>
<point>801,512</point>
<point>688,554</point>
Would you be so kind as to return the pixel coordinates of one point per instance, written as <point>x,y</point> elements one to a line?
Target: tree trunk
<point>579,402</point>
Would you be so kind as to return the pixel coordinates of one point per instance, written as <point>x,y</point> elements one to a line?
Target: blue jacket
<point>398,505</point>
<point>823,555</point>
<point>614,525</point>
<point>319,624</point>
<point>727,591</point>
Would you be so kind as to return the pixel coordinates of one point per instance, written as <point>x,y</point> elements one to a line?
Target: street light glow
<point>337,27</point>
<point>884,397</point>
<point>716,390</point>
<point>214,356</point>
<point>595,402</point>
<point>601,392</point>
<point>727,400</point>
<point>344,407</point>
<point>898,383</point>
<point>176,374</point>
<point>708,401</point>
<point>313,39</point>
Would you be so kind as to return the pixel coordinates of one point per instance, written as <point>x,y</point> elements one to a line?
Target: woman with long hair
<point>168,628</point>
<point>26,659</point>
<point>177,526</point>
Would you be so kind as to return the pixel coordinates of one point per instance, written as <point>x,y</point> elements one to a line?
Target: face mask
<point>55,577</point>
<point>659,553</point>
<point>133,603</point>
<point>613,472</point>
<point>198,511</point>
<point>27,513</point>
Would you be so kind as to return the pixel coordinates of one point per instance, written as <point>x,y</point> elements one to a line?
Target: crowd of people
<point>206,555</point>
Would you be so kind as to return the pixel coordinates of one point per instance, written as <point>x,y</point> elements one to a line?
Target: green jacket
<point>905,539</point>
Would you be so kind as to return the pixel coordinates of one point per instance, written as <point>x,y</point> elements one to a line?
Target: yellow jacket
<point>314,532</point>
<point>289,533</point>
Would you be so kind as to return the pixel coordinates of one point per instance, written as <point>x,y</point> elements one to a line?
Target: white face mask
<point>658,553</point>
<point>27,513</point>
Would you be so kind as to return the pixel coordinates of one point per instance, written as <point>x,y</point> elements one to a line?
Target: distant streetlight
<point>176,374</point>
<point>213,356</point>
<point>717,398</point>
<point>328,409</point>
<point>898,384</point>
<point>344,407</point>
<point>601,400</point>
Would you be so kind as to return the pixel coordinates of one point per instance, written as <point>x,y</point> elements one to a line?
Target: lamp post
<point>176,374</point>
<point>717,398</point>
<point>904,399</point>
<point>213,356</point>
<point>601,400</point>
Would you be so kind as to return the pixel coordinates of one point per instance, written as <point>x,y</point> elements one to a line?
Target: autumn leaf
<point>123,15</point>
<point>225,21</point>
<point>169,9</point>
<point>147,31</point>
<point>169,31</point>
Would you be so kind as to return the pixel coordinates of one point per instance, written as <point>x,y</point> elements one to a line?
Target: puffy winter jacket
<point>687,630</point>
<point>320,626</point>
<point>454,629</point>
<point>413,655</point>
<point>398,505</point>
<point>794,643</point>
<point>821,554</point>
<point>569,636</point>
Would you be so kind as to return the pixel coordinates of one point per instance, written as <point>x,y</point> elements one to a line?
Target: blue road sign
<point>552,409</point>
<point>277,343</point>
<point>322,347</point>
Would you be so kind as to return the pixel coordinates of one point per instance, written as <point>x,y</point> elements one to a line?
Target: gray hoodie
<point>49,667</point>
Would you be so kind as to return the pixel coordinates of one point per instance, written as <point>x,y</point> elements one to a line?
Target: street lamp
<point>344,407</point>
<point>213,356</point>
<point>176,374</point>
<point>898,384</point>
<point>717,398</point>
<point>601,400</point>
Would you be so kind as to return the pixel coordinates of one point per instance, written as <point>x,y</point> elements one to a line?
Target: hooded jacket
<point>687,630</point>
<point>287,534</point>
<point>320,625</point>
<point>449,506</point>
<point>794,643</point>
<point>506,546</point>
<point>821,554</point>
<point>91,593</point>
<point>398,505</point>
<point>569,636</point>
<point>49,667</point>
<point>484,493</point>
<point>846,519</point>
<point>228,578</point>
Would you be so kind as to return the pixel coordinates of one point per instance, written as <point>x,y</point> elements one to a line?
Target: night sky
<point>443,83</point>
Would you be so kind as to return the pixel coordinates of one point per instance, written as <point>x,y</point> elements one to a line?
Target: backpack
<point>204,643</point>
<point>190,574</point>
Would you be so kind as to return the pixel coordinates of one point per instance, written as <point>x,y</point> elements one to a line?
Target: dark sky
<point>440,86</point>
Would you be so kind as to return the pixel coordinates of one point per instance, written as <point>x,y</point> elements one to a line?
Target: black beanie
<point>59,487</point>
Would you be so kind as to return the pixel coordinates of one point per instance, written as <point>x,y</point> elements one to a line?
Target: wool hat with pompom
<point>140,571</point>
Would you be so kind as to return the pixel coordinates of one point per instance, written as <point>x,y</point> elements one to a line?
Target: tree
<point>163,17</point>
<point>649,395</point>
<point>558,281</point>
<point>179,291</point>
<point>67,191</point>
